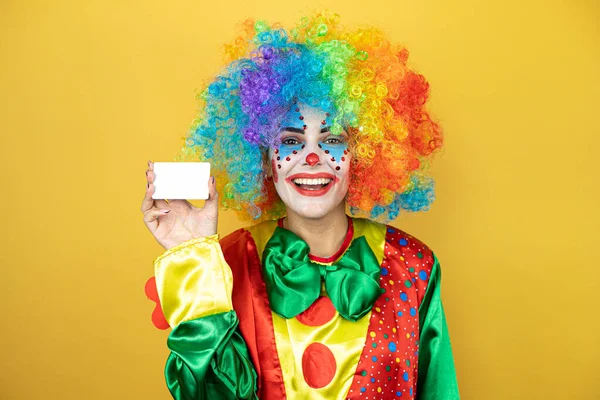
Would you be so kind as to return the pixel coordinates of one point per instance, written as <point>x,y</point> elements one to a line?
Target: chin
<point>311,212</point>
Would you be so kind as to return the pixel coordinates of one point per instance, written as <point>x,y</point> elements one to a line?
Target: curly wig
<point>359,74</point>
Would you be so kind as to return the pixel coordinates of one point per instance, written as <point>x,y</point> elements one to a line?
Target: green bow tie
<point>294,282</point>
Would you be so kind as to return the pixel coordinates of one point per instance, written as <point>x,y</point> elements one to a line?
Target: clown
<point>319,135</point>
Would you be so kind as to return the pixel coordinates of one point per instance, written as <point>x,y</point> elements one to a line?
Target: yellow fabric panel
<point>344,338</point>
<point>193,280</point>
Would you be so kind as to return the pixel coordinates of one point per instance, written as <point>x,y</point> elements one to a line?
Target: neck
<point>323,235</point>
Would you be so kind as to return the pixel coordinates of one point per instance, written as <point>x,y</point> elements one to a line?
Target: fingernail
<point>147,185</point>
<point>167,211</point>
<point>213,180</point>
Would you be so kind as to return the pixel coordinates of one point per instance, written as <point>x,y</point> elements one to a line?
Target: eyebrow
<point>298,130</point>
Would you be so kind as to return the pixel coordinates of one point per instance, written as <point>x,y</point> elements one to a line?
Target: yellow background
<point>90,90</point>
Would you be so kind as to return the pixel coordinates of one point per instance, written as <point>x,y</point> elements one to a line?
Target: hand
<point>179,221</point>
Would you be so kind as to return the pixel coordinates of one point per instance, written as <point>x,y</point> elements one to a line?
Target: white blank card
<point>181,180</point>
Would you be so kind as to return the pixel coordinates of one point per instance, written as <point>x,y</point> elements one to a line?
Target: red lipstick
<point>317,192</point>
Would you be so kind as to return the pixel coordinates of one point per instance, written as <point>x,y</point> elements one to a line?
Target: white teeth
<point>319,181</point>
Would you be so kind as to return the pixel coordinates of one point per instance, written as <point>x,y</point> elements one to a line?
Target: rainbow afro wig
<point>359,74</point>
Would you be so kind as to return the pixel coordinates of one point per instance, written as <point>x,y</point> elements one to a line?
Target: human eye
<point>290,141</point>
<point>333,140</point>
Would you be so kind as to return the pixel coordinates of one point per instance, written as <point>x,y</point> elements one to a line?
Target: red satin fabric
<point>251,304</point>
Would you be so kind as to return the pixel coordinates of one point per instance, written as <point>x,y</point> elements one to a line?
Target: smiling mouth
<point>312,184</point>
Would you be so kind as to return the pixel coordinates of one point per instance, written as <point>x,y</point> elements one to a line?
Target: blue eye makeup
<point>293,146</point>
<point>335,147</point>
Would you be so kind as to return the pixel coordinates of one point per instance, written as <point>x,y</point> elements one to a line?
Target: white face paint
<point>311,165</point>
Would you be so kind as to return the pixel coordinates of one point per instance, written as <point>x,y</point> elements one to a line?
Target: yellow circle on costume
<point>381,322</point>
<point>378,390</point>
<point>402,258</point>
<point>372,334</point>
<point>408,335</point>
<point>391,282</point>
<point>394,330</point>
<point>397,360</point>
<point>377,309</point>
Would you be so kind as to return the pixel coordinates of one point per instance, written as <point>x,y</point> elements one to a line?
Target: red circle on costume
<point>319,313</point>
<point>312,159</point>
<point>318,365</point>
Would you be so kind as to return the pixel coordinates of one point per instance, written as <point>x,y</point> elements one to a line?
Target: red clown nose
<point>312,159</point>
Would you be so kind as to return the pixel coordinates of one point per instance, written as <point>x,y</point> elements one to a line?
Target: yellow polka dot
<point>391,282</point>
<point>408,335</point>
<point>402,258</point>
<point>397,360</point>
<point>372,334</point>
<point>381,322</point>
<point>394,330</point>
<point>377,309</point>
<point>378,390</point>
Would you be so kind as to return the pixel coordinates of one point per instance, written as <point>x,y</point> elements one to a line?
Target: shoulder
<point>414,250</point>
<point>410,260</point>
<point>249,239</point>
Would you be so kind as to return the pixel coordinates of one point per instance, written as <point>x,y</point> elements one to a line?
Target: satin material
<point>193,280</point>
<point>437,375</point>
<point>193,349</point>
<point>252,307</point>
<point>344,338</point>
<point>209,360</point>
<point>294,281</point>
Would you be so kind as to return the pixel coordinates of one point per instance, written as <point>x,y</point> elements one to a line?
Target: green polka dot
<point>387,299</point>
<point>389,378</point>
<point>411,269</point>
<point>420,255</point>
<point>388,368</point>
<point>382,290</point>
<point>407,283</point>
<point>385,335</point>
<point>374,345</point>
<point>407,362</point>
<point>364,372</point>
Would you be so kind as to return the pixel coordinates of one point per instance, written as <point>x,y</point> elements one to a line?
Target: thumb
<point>213,195</point>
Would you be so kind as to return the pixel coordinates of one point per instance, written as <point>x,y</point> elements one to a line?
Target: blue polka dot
<point>400,313</point>
<point>423,275</point>
<point>384,271</point>
<point>403,296</point>
<point>374,358</point>
<point>403,242</point>
<point>362,389</point>
<point>405,377</point>
<point>411,391</point>
<point>412,334</point>
<point>413,311</point>
<point>392,346</point>
<point>398,393</point>
<point>390,230</point>
<point>414,279</point>
<point>372,380</point>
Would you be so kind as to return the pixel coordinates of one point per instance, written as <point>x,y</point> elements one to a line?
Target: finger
<point>148,202</point>
<point>151,217</point>
<point>213,195</point>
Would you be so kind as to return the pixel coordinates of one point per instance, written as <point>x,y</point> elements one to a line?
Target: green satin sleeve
<point>209,360</point>
<point>437,376</point>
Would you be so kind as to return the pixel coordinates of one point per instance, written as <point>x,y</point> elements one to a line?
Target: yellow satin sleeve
<point>193,280</point>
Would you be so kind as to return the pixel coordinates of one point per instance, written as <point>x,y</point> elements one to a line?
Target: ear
<point>268,165</point>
